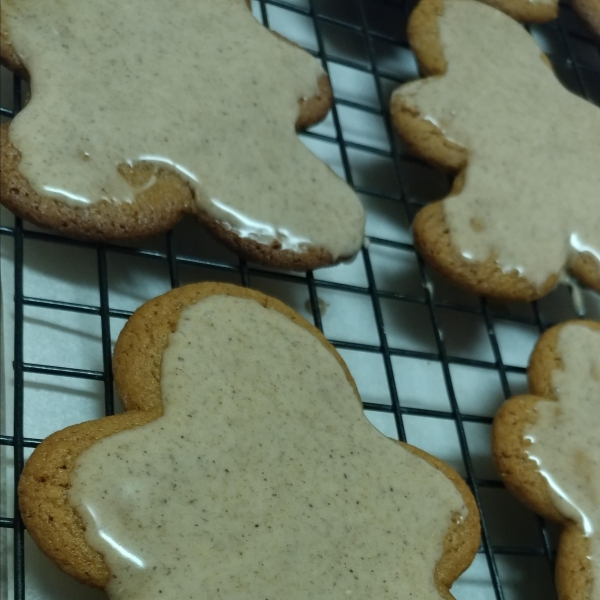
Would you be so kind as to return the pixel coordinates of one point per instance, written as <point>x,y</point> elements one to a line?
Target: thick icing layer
<point>197,86</point>
<point>565,438</point>
<point>531,196</point>
<point>262,479</point>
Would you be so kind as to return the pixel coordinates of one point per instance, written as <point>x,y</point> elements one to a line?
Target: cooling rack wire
<point>432,363</point>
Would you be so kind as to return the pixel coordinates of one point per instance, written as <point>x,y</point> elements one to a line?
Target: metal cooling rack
<point>432,363</point>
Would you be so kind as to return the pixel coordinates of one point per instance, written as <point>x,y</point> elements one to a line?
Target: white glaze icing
<point>531,196</point>
<point>565,438</point>
<point>263,479</point>
<point>196,86</point>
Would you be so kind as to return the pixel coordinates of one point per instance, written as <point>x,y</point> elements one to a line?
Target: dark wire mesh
<point>576,57</point>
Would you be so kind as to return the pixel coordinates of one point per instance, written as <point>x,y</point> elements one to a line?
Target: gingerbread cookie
<point>546,447</point>
<point>525,204</point>
<point>143,111</point>
<point>242,465</point>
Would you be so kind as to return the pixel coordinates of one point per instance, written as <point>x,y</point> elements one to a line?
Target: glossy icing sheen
<point>198,86</point>
<point>532,188</point>
<point>566,436</point>
<point>263,479</point>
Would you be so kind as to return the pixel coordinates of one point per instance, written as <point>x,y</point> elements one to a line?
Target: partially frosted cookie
<point>525,204</point>
<point>242,467</point>
<point>546,447</point>
<point>144,110</point>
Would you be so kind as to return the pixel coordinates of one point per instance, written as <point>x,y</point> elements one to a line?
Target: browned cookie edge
<point>433,240</point>
<point>520,474</point>
<point>52,522</point>
<point>154,210</point>
<point>462,540</point>
<point>44,484</point>
<point>270,254</point>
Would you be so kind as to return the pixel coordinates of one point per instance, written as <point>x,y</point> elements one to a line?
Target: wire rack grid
<point>426,338</point>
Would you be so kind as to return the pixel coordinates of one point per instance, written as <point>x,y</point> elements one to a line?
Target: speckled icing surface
<point>196,86</point>
<point>566,436</point>
<point>263,479</point>
<point>531,197</point>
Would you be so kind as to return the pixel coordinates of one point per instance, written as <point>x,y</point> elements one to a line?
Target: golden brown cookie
<point>44,486</point>
<point>512,447</point>
<point>478,116</point>
<point>153,189</point>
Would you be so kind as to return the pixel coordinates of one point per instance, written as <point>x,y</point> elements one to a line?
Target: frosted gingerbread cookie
<point>143,111</point>
<point>242,467</point>
<point>525,205</point>
<point>546,447</point>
